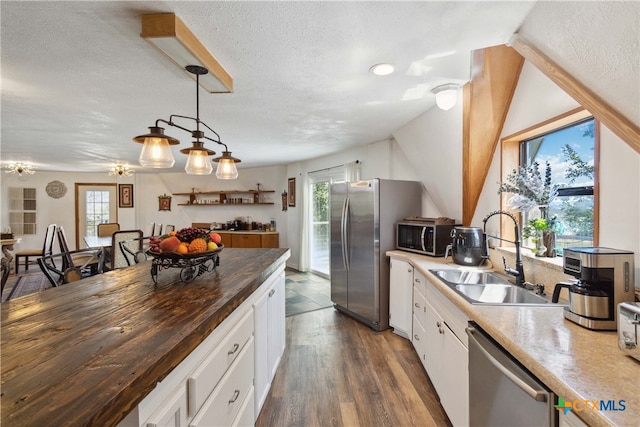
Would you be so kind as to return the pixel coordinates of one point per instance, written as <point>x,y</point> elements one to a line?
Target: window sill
<point>551,263</point>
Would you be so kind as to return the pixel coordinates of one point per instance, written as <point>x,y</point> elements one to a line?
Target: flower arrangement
<point>530,189</point>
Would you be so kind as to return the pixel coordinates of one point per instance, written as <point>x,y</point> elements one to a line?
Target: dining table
<point>97,242</point>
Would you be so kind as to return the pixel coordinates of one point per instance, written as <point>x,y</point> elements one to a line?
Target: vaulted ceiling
<point>78,81</point>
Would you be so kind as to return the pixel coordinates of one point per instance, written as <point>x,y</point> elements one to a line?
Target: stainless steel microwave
<point>423,237</point>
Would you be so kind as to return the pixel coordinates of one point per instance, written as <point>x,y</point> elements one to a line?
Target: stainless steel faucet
<point>518,272</point>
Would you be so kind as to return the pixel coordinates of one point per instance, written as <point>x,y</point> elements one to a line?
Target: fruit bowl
<point>175,255</point>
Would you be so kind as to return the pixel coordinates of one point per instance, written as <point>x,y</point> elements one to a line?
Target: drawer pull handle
<point>273,291</point>
<point>416,304</point>
<point>416,337</point>
<point>236,394</point>
<point>438,324</point>
<point>236,346</point>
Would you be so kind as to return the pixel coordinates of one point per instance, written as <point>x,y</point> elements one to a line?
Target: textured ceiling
<point>78,82</point>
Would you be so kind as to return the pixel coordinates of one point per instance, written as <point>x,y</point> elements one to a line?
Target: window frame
<point>511,153</point>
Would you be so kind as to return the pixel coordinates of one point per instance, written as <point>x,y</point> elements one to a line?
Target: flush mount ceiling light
<point>156,151</point>
<point>446,96</point>
<point>19,168</point>
<point>382,69</point>
<point>120,170</point>
<point>167,33</point>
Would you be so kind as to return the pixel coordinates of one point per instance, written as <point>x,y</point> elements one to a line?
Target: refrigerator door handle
<point>344,231</point>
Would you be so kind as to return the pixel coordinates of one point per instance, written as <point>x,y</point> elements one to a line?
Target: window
<point>22,210</point>
<point>97,211</point>
<point>570,152</point>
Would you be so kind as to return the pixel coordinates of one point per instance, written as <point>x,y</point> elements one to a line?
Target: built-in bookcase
<point>22,210</point>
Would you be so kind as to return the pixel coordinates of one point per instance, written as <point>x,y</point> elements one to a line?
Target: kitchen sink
<point>485,287</point>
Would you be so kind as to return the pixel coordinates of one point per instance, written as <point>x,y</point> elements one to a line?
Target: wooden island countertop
<point>88,352</point>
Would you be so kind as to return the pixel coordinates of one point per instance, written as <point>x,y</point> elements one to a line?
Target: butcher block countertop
<point>88,352</point>
<point>574,362</point>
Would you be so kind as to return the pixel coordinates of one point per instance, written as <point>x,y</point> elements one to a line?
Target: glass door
<point>97,203</point>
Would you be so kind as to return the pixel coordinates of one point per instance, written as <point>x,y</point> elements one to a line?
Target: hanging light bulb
<point>226,166</point>
<point>198,162</point>
<point>156,150</point>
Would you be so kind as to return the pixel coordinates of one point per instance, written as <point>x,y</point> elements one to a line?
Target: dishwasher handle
<point>538,395</point>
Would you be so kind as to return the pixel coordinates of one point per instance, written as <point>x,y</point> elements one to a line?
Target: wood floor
<point>337,372</point>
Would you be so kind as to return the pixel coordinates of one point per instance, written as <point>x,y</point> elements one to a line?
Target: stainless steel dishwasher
<point>501,391</point>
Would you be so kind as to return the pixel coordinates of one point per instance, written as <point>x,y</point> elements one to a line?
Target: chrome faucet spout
<point>518,272</point>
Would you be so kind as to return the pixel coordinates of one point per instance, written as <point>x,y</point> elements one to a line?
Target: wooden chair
<point>47,249</point>
<point>133,240</point>
<point>67,267</point>
<point>107,229</point>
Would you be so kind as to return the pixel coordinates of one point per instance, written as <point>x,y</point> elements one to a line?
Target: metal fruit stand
<point>191,265</point>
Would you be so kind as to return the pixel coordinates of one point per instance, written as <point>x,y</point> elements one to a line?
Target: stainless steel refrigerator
<point>363,224</point>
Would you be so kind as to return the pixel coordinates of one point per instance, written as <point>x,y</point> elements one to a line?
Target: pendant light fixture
<point>156,151</point>
<point>19,168</point>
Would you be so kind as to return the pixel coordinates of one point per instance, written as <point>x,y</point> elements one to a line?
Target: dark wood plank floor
<point>337,372</point>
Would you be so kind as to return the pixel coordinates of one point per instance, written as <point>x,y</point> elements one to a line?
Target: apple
<point>216,238</point>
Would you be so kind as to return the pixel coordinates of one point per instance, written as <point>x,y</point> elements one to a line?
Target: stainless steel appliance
<point>501,391</point>
<point>467,245</point>
<point>423,237</point>
<point>363,218</point>
<point>605,279</point>
<point>629,328</point>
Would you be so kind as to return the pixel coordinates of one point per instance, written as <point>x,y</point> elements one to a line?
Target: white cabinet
<point>221,381</point>
<point>446,355</point>
<point>270,337</point>
<point>419,337</point>
<point>400,296</point>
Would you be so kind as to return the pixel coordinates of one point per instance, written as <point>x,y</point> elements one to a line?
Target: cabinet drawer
<point>246,416</point>
<point>173,412</point>
<point>419,339</point>
<point>204,379</point>
<point>419,306</point>
<point>223,405</point>
<point>420,282</point>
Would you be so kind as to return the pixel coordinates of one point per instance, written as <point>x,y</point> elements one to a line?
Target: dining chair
<point>169,228</point>
<point>84,259</point>
<point>133,242</point>
<point>134,250</point>
<point>6,269</point>
<point>47,249</point>
<point>75,265</point>
<point>106,229</point>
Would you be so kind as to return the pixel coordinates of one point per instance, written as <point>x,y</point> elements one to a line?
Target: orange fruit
<point>172,233</point>
<point>197,245</point>
<point>183,248</point>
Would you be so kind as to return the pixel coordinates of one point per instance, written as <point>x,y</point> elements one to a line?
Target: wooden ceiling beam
<point>495,74</point>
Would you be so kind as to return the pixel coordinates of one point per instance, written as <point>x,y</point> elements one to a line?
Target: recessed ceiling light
<point>382,69</point>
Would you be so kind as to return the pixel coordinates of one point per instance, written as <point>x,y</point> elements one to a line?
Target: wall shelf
<point>227,197</point>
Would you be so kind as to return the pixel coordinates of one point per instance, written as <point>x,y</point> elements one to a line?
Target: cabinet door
<point>245,241</point>
<point>226,239</point>
<point>261,325</point>
<point>270,241</point>
<point>454,383</point>
<point>400,296</point>
<point>173,413</point>
<point>434,330</point>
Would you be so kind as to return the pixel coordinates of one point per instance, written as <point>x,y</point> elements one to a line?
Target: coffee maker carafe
<point>604,279</point>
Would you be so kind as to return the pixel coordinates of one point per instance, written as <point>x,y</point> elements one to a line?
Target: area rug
<point>27,284</point>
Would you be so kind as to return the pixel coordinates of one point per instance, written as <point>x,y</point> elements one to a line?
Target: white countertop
<point>574,362</point>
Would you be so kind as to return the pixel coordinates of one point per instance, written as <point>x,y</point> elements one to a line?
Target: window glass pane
<point>97,211</point>
<point>570,153</point>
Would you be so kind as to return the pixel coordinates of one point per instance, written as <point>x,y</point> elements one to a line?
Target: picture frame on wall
<point>125,195</point>
<point>292,192</point>
<point>164,203</point>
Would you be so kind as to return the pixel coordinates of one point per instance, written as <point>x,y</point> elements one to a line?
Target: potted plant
<point>531,190</point>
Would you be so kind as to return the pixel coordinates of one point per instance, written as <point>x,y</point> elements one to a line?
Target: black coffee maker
<point>604,279</point>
